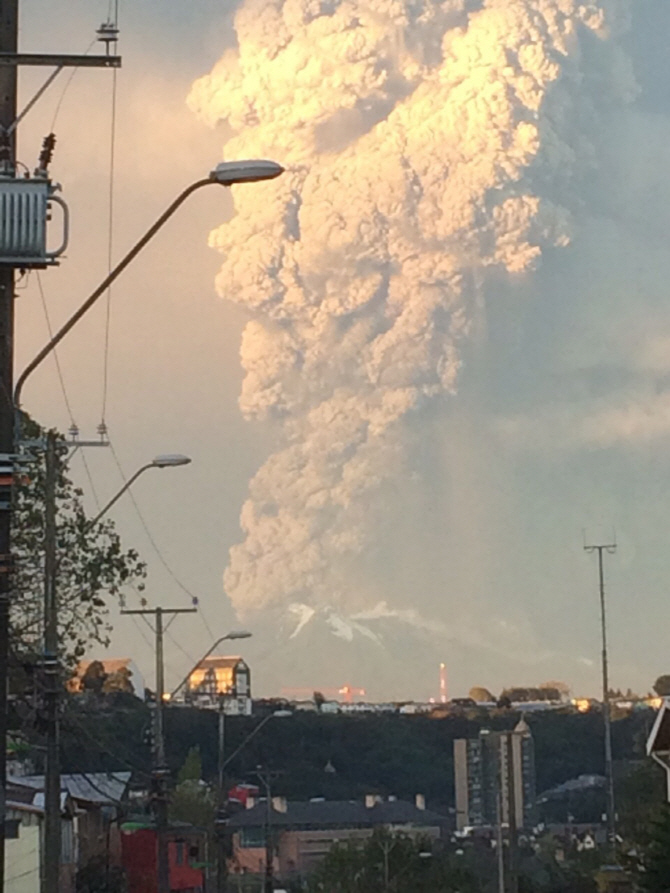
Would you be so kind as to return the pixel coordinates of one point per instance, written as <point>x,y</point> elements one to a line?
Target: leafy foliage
<point>91,563</point>
<point>656,875</point>
<point>662,686</point>
<point>192,800</point>
<point>388,862</point>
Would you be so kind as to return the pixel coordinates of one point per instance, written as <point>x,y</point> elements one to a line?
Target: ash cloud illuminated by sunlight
<point>430,149</point>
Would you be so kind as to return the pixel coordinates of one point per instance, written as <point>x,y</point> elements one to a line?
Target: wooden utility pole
<point>160,771</point>
<point>10,59</point>
<point>610,548</point>
<point>9,29</point>
<point>221,822</point>
<point>52,812</point>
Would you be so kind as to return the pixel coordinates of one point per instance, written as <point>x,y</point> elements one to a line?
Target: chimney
<point>251,802</point>
<point>420,801</point>
<point>372,800</point>
<point>279,804</point>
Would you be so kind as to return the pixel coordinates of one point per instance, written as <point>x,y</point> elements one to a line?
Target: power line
<point>110,244</point>
<point>67,84</point>
<point>56,358</point>
<point>194,599</point>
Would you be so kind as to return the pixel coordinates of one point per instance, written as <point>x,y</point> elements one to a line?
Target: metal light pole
<point>225,174</point>
<point>228,173</point>
<point>266,780</point>
<point>221,822</point>
<point>169,461</point>
<point>610,548</point>
<point>51,663</point>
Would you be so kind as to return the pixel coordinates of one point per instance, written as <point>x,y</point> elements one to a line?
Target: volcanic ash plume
<point>427,148</point>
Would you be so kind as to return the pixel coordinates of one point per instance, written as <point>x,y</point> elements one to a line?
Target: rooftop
<point>92,787</point>
<point>338,813</point>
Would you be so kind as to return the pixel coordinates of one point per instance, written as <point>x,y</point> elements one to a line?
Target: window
<point>251,838</point>
<point>179,852</point>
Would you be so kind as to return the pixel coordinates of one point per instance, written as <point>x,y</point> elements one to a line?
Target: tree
<point>192,800</point>
<point>655,877</point>
<point>192,768</point>
<point>119,680</point>
<point>481,695</point>
<point>319,700</point>
<point>91,563</point>
<point>662,686</point>
<point>391,863</point>
<point>556,685</point>
<point>94,678</point>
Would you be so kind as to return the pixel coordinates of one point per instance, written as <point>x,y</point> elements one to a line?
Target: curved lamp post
<point>169,461</point>
<point>228,173</point>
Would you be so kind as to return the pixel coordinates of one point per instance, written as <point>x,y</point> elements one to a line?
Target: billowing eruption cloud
<point>431,148</point>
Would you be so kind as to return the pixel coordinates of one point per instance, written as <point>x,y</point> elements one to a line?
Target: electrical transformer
<point>25,210</point>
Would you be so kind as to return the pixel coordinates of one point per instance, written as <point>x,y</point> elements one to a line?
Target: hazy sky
<point>561,417</point>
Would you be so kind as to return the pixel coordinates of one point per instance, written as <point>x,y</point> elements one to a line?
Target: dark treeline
<point>370,753</point>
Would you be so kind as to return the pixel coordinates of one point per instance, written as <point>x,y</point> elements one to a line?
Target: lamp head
<point>238,634</point>
<point>170,460</point>
<point>228,173</point>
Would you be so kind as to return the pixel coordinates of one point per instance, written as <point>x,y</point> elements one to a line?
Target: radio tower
<point>443,684</point>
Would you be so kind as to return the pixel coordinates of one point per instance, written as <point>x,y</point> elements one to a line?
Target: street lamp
<point>168,461</point>
<point>227,173</point>
<point>51,563</point>
<point>221,818</point>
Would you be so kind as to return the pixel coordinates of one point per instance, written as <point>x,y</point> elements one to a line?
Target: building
<point>89,828</point>
<point>658,742</point>
<point>302,833</point>
<point>495,768</point>
<point>186,857</point>
<point>221,677</point>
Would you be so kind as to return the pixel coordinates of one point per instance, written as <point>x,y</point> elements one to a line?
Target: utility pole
<point>266,779</point>
<point>610,549</point>
<point>160,771</point>
<point>511,813</point>
<point>221,823</point>
<point>10,59</point>
<point>9,30</point>
<point>52,814</point>
<point>500,848</point>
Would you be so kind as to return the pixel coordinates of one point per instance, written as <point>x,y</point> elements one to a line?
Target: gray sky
<point>561,421</point>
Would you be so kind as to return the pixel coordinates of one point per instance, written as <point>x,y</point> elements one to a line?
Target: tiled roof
<point>93,787</point>
<point>338,813</point>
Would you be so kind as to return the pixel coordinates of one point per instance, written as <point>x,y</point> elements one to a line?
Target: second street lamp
<point>168,461</point>
<point>52,816</point>
<point>221,821</point>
